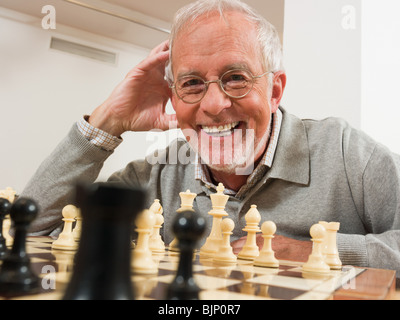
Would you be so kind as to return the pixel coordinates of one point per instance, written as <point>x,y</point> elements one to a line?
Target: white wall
<point>342,59</point>
<point>381,71</point>
<point>322,60</point>
<point>44,91</point>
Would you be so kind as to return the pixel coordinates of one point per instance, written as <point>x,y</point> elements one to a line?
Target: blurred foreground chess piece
<point>11,195</point>
<point>102,268</point>
<point>5,208</point>
<point>188,227</point>
<point>16,275</point>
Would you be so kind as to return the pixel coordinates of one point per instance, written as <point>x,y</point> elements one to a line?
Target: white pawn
<point>66,239</point>
<point>267,255</point>
<point>225,253</point>
<point>316,262</point>
<point>143,262</point>
<point>78,226</point>
<point>250,250</point>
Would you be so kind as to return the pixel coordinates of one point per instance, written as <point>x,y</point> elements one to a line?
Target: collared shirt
<point>202,172</point>
<point>96,136</point>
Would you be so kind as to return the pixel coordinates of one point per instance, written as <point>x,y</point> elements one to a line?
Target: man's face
<point>217,126</point>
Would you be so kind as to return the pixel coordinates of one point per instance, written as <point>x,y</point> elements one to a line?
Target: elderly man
<point>225,78</point>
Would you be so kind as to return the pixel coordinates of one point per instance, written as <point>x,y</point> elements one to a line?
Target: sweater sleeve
<point>380,211</point>
<point>53,184</point>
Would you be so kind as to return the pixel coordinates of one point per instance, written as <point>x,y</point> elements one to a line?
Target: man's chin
<point>241,168</point>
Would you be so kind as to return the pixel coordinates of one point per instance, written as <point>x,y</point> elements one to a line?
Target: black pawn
<point>16,275</point>
<point>102,269</point>
<point>188,228</point>
<point>5,207</point>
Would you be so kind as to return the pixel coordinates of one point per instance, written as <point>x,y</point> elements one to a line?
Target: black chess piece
<point>188,228</point>
<point>16,275</point>
<point>102,265</point>
<point>5,207</point>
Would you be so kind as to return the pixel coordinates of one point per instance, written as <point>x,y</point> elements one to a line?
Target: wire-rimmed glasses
<point>235,83</point>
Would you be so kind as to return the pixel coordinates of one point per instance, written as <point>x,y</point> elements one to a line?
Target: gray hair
<point>268,37</point>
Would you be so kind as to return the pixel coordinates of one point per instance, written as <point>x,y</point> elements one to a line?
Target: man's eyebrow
<point>232,66</point>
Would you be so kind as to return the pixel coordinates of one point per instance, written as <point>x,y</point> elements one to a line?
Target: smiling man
<point>225,92</point>
<point>222,69</point>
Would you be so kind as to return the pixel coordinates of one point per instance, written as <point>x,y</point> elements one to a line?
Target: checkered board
<point>243,281</point>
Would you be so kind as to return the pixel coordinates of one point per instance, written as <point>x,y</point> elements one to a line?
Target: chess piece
<point>102,269</point>
<point>267,255</point>
<point>316,261</point>
<point>187,199</point>
<point>78,225</point>
<point>188,227</point>
<point>142,261</point>
<point>156,243</point>
<point>66,240</point>
<point>214,240</point>
<point>5,207</point>
<point>16,275</point>
<point>329,248</point>
<point>250,250</point>
<point>9,193</point>
<point>225,254</point>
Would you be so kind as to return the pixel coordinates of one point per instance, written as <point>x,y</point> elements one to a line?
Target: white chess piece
<point>250,250</point>
<point>316,261</point>
<point>267,255</point>
<point>143,262</point>
<point>187,199</point>
<point>78,226</point>
<point>156,243</point>
<point>66,239</point>
<point>329,249</point>
<point>214,240</point>
<point>225,253</point>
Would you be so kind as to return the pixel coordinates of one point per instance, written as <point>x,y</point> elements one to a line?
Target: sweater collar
<point>292,156</point>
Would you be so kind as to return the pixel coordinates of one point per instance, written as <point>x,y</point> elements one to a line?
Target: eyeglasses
<point>235,83</point>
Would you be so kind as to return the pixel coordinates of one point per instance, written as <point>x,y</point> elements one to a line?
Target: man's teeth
<point>220,129</point>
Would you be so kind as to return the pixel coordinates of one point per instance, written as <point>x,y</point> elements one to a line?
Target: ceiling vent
<point>82,50</point>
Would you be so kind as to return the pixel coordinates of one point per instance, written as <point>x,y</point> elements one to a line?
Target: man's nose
<point>215,100</point>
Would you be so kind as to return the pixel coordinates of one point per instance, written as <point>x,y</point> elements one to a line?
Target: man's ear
<point>278,87</point>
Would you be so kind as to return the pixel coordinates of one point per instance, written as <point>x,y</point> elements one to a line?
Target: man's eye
<point>191,83</point>
<point>236,77</point>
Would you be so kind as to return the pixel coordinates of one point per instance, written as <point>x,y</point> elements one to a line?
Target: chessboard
<point>241,281</point>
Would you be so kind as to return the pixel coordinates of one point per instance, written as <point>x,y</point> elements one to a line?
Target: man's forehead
<point>213,40</point>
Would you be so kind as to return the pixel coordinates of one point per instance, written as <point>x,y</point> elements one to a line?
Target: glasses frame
<point>219,81</point>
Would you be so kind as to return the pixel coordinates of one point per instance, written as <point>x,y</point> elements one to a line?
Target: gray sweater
<point>322,170</point>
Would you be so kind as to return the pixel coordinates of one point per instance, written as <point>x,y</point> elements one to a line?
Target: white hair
<point>268,38</point>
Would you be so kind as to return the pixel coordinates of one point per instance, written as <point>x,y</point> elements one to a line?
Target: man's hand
<point>138,102</point>
<point>284,248</point>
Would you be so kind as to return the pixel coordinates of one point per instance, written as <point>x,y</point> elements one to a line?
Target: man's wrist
<point>97,136</point>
